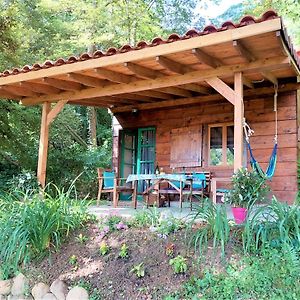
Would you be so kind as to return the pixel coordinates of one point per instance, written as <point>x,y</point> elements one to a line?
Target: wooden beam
<point>8,95</point>
<point>39,87</point>
<point>63,84</point>
<point>167,81</point>
<point>269,76</point>
<point>114,76</point>
<point>206,59</point>
<point>151,52</point>
<point>248,83</point>
<point>87,80</point>
<point>173,66</point>
<point>144,72</point>
<point>55,111</point>
<point>248,94</point>
<point>238,121</point>
<point>18,91</point>
<point>243,51</point>
<point>221,87</point>
<point>43,147</point>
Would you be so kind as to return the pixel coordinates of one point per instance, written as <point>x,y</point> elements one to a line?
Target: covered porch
<point>194,90</point>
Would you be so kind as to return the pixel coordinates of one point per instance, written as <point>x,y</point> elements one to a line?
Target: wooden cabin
<point>179,103</point>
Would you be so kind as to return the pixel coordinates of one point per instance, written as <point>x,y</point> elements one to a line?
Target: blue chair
<point>109,183</point>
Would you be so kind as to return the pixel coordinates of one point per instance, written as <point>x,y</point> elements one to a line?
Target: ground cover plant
<point>32,226</point>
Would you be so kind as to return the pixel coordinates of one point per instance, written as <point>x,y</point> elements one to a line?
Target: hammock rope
<point>269,173</point>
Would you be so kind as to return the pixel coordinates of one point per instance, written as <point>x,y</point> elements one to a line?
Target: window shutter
<point>186,147</point>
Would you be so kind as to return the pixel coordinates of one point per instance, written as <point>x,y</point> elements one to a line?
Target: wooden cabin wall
<point>259,114</point>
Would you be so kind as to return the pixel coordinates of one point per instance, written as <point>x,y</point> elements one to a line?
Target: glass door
<point>145,153</point>
<point>128,157</point>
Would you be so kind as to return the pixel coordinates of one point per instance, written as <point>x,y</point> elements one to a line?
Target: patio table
<point>157,179</point>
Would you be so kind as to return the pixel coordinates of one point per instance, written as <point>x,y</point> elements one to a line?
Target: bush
<point>31,227</point>
<point>248,188</point>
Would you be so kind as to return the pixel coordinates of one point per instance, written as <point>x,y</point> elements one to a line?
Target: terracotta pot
<point>239,214</point>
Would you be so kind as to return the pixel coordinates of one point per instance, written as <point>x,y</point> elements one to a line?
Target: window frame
<point>224,144</point>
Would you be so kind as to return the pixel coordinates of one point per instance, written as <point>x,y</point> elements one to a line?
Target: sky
<point>212,10</point>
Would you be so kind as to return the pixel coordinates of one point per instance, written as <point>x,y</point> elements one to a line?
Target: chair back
<point>177,183</point>
<point>108,181</point>
<point>106,178</point>
<point>200,179</point>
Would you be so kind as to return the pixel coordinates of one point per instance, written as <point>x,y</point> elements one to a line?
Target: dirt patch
<point>110,274</point>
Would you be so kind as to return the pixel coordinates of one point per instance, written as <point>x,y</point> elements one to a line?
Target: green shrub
<point>214,226</point>
<point>247,188</point>
<point>275,225</point>
<point>31,227</point>
<point>169,225</point>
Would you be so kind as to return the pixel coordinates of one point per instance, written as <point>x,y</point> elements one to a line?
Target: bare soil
<point>110,274</point>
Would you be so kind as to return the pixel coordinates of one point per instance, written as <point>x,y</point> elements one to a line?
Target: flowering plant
<point>248,188</point>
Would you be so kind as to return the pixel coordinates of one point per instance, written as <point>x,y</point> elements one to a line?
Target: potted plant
<point>248,188</point>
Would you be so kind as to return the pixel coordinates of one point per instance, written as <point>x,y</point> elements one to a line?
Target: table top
<point>175,177</point>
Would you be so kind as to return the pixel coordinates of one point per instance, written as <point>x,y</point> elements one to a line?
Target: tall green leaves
<point>213,226</point>
<point>30,227</point>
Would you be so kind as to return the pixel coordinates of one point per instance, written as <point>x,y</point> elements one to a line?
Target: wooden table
<point>154,181</point>
<point>214,181</point>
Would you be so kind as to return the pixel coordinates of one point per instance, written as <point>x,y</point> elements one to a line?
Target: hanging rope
<point>273,158</point>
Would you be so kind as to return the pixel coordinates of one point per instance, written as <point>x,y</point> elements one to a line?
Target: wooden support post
<point>43,148</point>
<point>48,115</point>
<point>238,121</point>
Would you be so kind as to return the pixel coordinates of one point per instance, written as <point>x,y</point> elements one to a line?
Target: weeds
<point>138,270</point>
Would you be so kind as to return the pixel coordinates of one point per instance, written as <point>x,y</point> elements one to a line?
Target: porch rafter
<point>163,82</point>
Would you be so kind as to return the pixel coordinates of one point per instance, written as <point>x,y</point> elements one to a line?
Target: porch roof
<point>177,71</point>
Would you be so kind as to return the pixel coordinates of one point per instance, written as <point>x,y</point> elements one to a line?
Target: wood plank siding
<point>259,114</point>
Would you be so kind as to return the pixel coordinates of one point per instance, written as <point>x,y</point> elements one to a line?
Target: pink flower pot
<point>239,214</point>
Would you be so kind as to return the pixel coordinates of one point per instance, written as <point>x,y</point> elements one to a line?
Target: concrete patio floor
<point>125,210</point>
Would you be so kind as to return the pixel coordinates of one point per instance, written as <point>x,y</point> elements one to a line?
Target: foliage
<point>178,264</point>
<point>104,248</point>
<point>63,28</point>
<point>73,260</point>
<point>169,225</point>
<point>124,251</point>
<point>146,217</point>
<point>275,225</point>
<point>272,275</point>
<point>94,294</point>
<point>289,10</point>
<point>82,239</point>
<point>248,188</point>
<point>113,222</point>
<point>138,270</point>
<point>31,227</point>
<point>24,183</point>
<point>214,225</point>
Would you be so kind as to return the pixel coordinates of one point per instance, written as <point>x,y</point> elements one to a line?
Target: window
<point>221,142</point>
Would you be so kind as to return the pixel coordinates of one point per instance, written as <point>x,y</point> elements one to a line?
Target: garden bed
<point>110,274</point>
